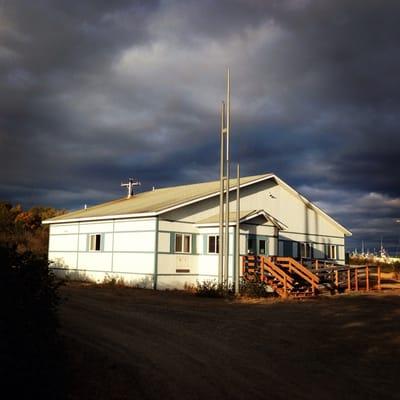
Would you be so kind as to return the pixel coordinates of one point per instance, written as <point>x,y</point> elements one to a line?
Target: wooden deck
<point>288,277</point>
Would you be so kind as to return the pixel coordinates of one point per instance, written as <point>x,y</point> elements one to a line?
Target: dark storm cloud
<point>96,91</point>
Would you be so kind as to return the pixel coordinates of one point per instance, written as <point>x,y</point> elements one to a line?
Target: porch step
<point>286,278</point>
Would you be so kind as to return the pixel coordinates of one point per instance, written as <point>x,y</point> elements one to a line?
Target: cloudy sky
<point>93,92</point>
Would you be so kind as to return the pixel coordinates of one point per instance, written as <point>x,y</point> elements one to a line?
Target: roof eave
<point>101,218</point>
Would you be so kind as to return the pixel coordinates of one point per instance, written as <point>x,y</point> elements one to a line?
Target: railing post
<point>367,278</point>
<point>316,265</point>
<point>348,280</point>
<point>262,269</point>
<point>337,279</point>
<point>285,285</point>
<point>356,279</point>
<point>379,277</point>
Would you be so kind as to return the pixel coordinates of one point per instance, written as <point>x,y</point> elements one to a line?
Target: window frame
<point>251,244</point>
<point>259,247</point>
<point>95,235</point>
<point>182,249</point>
<point>331,252</point>
<point>216,244</point>
<point>308,250</point>
<point>287,248</point>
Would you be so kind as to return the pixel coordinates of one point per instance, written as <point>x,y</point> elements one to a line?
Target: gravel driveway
<point>128,343</point>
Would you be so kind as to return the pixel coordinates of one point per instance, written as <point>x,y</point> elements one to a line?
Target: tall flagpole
<point>228,123</point>
<point>220,243</point>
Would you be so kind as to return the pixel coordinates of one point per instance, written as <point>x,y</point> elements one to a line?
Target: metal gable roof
<point>159,201</point>
<point>154,202</point>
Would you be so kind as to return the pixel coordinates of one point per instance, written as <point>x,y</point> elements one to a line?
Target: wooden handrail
<point>281,267</point>
<point>301,270</point>
<point>277,272</point>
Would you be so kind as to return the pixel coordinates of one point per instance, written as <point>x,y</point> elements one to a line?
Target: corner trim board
<point>156,254</point>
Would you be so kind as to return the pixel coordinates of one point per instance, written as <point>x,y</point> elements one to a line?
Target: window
<point>182,243</point>
<point>261,245</point>
<point>288,249</point>
<point>251,245</point>
<point>331,251</point>
<point>95,242</point>
<point>213,244</point>
<point>305,250</point>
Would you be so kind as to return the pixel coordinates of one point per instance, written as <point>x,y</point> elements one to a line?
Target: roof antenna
<point>131,183</point>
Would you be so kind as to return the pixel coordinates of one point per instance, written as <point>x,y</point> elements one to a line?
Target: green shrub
<point>254,289</point>
<point>113,281</point>
<point>211,288</point>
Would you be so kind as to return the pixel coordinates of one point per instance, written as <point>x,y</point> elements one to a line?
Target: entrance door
<point>257,245</point>
<point>262,245</point>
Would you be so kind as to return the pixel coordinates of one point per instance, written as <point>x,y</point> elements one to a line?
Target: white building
<point>168,237</point>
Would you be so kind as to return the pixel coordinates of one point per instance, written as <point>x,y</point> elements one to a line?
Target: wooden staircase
<point>284,275</point>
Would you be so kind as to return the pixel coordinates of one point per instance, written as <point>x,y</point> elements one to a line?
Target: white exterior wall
<point>131,250</point>
<point>127,250</point>
<point>208,262</point>
<point>304,223</point>
<point>261,229</point>
<point>176,269</point>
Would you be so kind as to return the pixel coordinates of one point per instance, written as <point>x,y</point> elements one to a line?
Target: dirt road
<point>138,344</point>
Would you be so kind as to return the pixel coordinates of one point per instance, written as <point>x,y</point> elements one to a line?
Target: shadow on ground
<point>126,343</point>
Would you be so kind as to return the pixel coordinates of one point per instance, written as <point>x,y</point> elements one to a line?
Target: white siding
<point>63,243</point>
<point>304,223</point>
<point>176,226</point>
<point>97,261</point>
<point>83,242</point>
<point>132,225</point>
<point>169,263</point>
<point>164,242</point>
<point>133,262</point>
<point>108,242</point>
<point>277,200</point>
<point>63,260</point>
<point>126,255</point>
<point>63,228</point>
<point>95,227</point>
<point>134,241</point>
